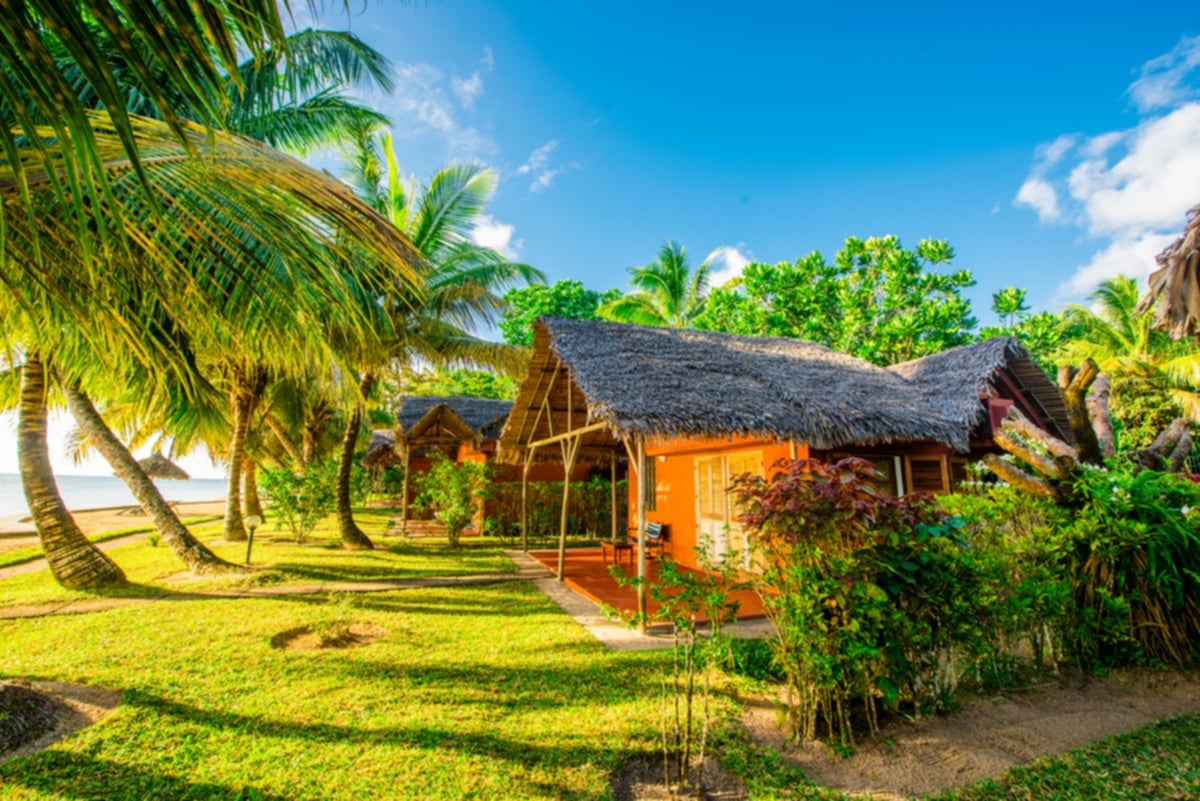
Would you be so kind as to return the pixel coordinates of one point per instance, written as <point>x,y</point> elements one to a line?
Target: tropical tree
<point>1009,305</point>
<point>668,292</point>
<point>879,300</point>
<point>249,243</point>
<point>566,298</point>
<point>1153,378</point>
<point>462,284</point>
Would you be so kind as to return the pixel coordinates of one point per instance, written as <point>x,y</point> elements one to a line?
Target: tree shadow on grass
<point>565,754</point>
<point>79,775</point>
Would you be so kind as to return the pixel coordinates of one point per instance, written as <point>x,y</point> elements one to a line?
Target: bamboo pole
<point>525,500</point>
<point>641,529</point>
<point>612,485</point>
<point>570,451</point>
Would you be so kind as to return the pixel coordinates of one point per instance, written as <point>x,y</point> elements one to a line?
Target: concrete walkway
<point>614,634</point>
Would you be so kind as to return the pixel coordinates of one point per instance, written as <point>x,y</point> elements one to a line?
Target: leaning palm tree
<point>1175,286</point>
<point>669,293</point>
<point>240,243</point>
<point>290,97</point>
<point>463,283</point>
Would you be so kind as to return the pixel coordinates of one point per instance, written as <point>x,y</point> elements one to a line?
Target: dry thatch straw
<point>662,382</point>
<point>1175,285</point>
<point>158,466</point>
<point>381,452</point>
<point>482,417</point>
<point>953,380</point>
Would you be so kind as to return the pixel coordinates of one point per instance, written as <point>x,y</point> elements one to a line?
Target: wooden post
<point>570,451</point>
<point>404,491</point>
<point>525,500</point>
<point>641,530</point>
<point>612,485</point>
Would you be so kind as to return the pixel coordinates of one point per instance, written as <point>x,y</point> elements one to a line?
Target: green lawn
<point>483,692</point>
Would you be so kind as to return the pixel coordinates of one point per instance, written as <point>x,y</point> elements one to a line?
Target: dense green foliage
<point>589,509</point>
<point>878,300</point>
<point>567,298</point>
<point>887,603</point>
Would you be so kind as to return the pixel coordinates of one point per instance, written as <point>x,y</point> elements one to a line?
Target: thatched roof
<point>158,466</point>
<point>1175,285</point>
<point>660,382</point>
<point>381,452</point>
<point>953,380</point>
<point>476,418</point>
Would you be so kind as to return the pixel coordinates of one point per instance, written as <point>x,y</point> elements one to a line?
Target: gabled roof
<point>382,449</point>
<point>479,418</point>
<point>641,381</point>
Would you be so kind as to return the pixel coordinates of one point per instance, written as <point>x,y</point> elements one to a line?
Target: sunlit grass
<point>278,560</point>
<point>481,692</point>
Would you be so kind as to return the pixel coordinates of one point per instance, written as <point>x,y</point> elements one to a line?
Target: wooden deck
<point>587,574</point>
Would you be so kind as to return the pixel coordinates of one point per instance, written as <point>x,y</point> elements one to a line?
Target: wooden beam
<point>579,432</point>
<point>570,450</point>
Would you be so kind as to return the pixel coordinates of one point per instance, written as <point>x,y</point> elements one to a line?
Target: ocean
<point>98,492</point>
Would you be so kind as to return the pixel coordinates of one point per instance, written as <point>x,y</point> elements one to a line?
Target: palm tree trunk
<point>352,536</point>
<point>198,558</point>
<point>248,391</point>
<point>76,563</point>
<point>285,440</point>
<point>250,488</point>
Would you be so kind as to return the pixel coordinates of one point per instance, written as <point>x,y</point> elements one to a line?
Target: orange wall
<point>675,483</point>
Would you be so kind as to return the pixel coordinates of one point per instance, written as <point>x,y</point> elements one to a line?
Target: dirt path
<point>988,735</point>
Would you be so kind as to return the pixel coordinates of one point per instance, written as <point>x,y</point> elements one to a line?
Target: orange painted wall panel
<point>675,483</point>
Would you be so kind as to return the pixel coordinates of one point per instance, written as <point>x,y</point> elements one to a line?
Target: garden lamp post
<point>252,522</point>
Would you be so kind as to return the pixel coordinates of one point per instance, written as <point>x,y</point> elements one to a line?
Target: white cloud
<point>489,232</point>
<point>422,104</point>
<point>727,263</point>
<point>468,90</point>
<point>538,165</point>
<point>1127,190</point>
<point>1132,256</point>
<point>1039,195</point>
<point>1162,82</point>
<point>538,158</point>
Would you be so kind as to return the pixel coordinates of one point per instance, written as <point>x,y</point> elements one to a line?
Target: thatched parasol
<point>158,466</point>
<point>1175,285</point>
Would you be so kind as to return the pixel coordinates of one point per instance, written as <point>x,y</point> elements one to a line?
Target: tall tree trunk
<point>250,488</point>
<point>197,557</point>
<point>75,562</point>
<point>249,387</point>
<point>352,536</point>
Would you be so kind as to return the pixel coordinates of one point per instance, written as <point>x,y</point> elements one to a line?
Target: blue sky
<point>1052,145</point>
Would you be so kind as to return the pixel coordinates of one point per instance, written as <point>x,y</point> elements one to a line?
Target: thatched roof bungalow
<point>691,408</point>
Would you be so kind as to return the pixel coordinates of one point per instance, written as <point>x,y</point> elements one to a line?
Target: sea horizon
<point>81,493</point>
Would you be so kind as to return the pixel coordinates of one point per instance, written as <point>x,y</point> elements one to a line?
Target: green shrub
<point>301,499</point>
<point>455,493</point>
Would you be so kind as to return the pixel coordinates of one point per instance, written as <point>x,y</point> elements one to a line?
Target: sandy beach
<point>19,531</point>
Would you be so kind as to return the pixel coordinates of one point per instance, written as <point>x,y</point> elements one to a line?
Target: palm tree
<point>463,283</point>
<point>238,244</point>
<point>1142,361</point>
<point>1009,305</point>
<point>669,292</point>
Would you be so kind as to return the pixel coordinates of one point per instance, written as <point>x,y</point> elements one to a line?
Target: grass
<point>154,570</point>
<point>481,692</point>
